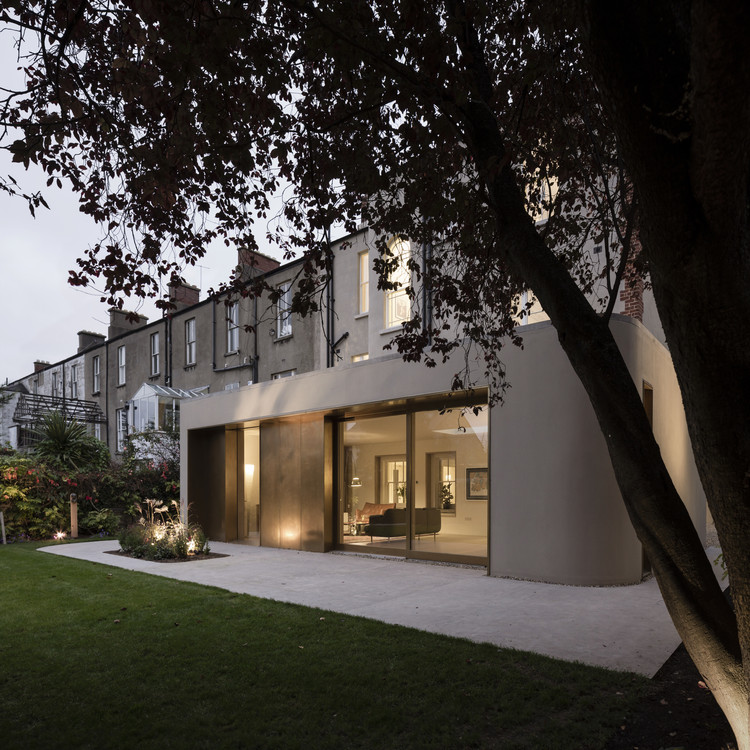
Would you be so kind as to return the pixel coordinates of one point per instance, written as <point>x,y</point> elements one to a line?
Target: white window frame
<point>74,381</point>
<point>122,428</point>
<point>284,310</point>
<point>397,302</point>
<point>190,342</point>
<point>233,327</point>
<point>363,288</point>
<point>96,370</point>
<point>154,349</point>
<point>283,374</point>
<point>121,365</point>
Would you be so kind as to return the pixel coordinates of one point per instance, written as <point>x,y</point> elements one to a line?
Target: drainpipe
<point>255,338</point>
<point>330,302</point>
<point>213,335</point>
<point>426,295</point>
<point>106,388</point>
<point>168,334</point>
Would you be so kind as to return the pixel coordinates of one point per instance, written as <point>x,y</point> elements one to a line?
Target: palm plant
<point>66,443</point>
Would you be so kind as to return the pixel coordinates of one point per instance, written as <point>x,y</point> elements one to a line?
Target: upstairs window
<point>74,381</point>
<point>364,283</point>
<point>121,365</point>
<point>190,342</point>
<point>233,327</point>
<point>96,372</point>
<point>155,353</point>
<point>284,310</point>
<point>397,303</point>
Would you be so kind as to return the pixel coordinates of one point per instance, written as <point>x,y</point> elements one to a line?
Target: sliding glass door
<point>415,484</point>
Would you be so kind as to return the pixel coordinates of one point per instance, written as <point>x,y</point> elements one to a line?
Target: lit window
<point>233,327</point>
<point>74,381</point>
<point>360,357</point>
<point>397,304</point>
<point>190,342</point>
<point>155,353</point>
<point>96,370</point>
<point>364,283</point>
<point>120,365</point>
<point>284,310</point>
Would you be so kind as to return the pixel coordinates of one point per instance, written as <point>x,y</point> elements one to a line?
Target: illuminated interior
<point>430,501</point>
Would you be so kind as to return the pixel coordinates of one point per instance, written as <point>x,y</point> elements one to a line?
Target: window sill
<point>232,353</point>
<point>95,393</point>
<point>392,329</point>
<point>189,367</point>
<point>121,385</point>
<point>154,376</point>
<point>282,338</point>
<point>359,316</point>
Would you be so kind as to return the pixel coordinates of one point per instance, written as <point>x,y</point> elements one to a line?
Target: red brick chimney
<point>182,294</point>
<point>254,263</point>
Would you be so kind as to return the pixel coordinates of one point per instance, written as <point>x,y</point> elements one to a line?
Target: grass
<point>99,657</point>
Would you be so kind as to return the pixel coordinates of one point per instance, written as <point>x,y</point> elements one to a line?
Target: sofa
<point>393,522</point>
<point>362,515</point>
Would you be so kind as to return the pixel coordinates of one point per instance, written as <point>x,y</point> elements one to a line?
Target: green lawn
<point>98,657</point>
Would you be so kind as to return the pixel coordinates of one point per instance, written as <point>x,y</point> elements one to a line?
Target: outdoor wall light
<point>356,482</point>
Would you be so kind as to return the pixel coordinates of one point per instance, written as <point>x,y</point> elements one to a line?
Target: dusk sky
<point>40,312</point>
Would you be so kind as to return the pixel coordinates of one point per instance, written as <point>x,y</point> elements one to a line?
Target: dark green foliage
<point>66,444</point>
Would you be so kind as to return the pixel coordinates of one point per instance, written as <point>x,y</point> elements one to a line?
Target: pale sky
<point>40,313</point>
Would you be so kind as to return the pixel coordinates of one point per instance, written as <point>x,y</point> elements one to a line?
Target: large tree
<point>447,123</point>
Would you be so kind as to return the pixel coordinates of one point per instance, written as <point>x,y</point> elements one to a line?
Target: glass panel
<point>372,507</point>
<point>248,486</point>
<point>450,499</point>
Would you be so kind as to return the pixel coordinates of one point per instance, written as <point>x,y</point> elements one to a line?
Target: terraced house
<point>308,433</point>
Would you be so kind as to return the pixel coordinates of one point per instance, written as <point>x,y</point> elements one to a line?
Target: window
<point>120,365</point>
<point>55,376</point>
<point>190,342</point>
<point>283,310</point>
<point>364,283</point>
<point>360,357</point>
<point>96,370</point>
<point>397,304</point>
<point>392,479</point>
<point>648,402</point>
<point>233,327</point>
<point>36,385</point>
<point>98,430</point>
<point>155,353</point>
<point>283,374</point>
<point>74,381</point>
<point>122,427</point>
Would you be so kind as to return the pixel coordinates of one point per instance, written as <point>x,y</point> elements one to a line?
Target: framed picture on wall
<point>476,484</point>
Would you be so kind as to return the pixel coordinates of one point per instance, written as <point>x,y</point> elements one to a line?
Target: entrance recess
<point>415,484</point>
<point>248,485</point>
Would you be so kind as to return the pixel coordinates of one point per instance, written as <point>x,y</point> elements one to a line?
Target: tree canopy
<point>456,125</point>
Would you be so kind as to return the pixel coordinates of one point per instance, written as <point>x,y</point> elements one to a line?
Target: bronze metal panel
<point>311,497</point>
<point>230,479</point>
<point>269,481</point>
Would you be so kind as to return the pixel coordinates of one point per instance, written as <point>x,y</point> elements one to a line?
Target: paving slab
<point>618,627</point>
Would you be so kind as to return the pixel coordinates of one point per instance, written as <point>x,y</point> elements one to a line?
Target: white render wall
<point>555,510</point>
